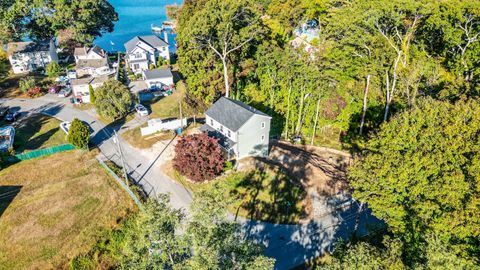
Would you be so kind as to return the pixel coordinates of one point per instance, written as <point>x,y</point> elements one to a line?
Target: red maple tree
<point>199,157</point>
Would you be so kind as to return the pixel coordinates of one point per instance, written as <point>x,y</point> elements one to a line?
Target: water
<point>135,19</point>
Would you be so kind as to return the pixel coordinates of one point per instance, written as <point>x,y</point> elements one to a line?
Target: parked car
<point>12,116</point>
<point>3,111</point>
<point>65,126</point>
<point>54,89</point>
<point>65,92</point>
<point>141,110</point>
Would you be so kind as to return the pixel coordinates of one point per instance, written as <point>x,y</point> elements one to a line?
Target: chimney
<point>165,36</point>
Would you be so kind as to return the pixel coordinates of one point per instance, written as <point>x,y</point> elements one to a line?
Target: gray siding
<point>250,137</point>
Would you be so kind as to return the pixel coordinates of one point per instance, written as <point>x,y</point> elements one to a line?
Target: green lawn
<point>36,132</point>
<point>267,195</point>
<point>168,107</point>
<point>58,208</point>
<point>134,137</point>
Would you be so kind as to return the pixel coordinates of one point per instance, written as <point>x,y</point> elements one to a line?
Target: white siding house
<point>29,56</point>
<point>242,130</point>
<point>143,51</point>
<point>158,77</point>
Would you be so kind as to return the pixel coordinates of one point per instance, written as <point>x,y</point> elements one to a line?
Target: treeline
<point>407,49</point>
<point>415,64</point>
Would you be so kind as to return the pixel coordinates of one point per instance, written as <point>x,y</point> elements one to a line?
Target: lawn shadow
<point>270,194</point>
<point>7,195</point>
<point>27,129</point>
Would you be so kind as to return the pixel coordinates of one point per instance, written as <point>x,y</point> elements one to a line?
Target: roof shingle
<point>232,114</point>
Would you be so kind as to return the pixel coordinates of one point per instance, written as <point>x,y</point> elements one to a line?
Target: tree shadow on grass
<point>26,134</point>
<point>7,195</point>
<point>268,194</point>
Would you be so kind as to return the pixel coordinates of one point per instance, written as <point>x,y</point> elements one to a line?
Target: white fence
<point>156,125</point>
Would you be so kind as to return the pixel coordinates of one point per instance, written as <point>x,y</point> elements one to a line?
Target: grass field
<point>54,208</point>
<point>36,132</point>
<point>266,195</point>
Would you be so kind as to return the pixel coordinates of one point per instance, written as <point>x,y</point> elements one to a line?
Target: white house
<point>241,129</point>
<point>91,62</point>
<point>81,87</point>
<point>142,51</point>
<point>158,77</point>
<point>29,56</point>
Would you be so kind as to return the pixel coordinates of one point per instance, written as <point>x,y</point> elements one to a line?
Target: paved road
<point>290,245</point>
<point>139,167</point>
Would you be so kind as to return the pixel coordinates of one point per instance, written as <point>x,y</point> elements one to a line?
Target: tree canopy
<point>71,21</point>
<point>421,173</point>
<point>113,100</point>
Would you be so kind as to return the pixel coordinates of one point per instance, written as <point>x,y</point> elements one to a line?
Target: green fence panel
<point>41,152</point>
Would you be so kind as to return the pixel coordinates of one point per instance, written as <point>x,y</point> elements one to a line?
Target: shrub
<point>78,134</point>
<point>26,83</point>
<point>53,69</point>
<point>113,100</point>
<point>34,92</point>
<point>91,92</point>
<point>151,66</point>
<point>198,157</point>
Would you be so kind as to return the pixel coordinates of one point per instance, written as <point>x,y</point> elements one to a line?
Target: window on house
<point>228,133</point>
<point>211,122</point>
<point>263,138</point>
<point>263,124</point>
<point>138,55</point>
<point>221,128</point>
<point>136,66</point>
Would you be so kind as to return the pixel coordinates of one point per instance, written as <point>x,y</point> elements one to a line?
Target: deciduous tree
<point>113,99</point>
<point>53,69</point>
<point>198,157</point>
<point>421,173</point>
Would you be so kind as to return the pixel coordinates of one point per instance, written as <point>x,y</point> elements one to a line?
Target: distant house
<point>91,62</point>
<point>241,129</point>
<point>305,35</point>
<point>81,87</point>
<point>30,56</point>
<point>142,51</point>
<point>158,77</point>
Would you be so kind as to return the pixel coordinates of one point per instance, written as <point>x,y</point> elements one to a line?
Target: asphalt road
<point>290,245</point>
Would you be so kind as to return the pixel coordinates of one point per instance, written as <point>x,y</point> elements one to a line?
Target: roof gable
<point>158,73</point>
<point>151,41</point>
<point>232,114</point>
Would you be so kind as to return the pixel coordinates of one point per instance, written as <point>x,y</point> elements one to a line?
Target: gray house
<point>242,130</point>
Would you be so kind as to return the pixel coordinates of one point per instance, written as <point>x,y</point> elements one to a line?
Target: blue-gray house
<point>242,130</point>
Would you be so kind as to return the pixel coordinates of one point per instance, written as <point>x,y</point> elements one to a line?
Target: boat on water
<point>156,28</point>
<point>166,25</point>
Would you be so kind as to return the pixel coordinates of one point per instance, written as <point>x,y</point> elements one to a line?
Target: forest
<point>390,53</point>
<point>396,83</point>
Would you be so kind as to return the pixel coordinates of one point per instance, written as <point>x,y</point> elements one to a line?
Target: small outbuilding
<point>158,77</point>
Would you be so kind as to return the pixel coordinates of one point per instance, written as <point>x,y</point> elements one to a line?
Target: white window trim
<point>263,125</point>
<point>263,138</point>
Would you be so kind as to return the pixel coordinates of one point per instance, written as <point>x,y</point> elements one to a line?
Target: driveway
<point>290,245</point>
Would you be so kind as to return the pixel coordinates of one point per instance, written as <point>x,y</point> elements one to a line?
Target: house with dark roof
<point>241,130</point>
<point>143,51</point>
<point>29,56</point>
<point>158,77</point>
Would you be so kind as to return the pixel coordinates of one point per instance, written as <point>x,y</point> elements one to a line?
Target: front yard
<point>54,208</point>
<point>36,132</point>
<point>265,194</point>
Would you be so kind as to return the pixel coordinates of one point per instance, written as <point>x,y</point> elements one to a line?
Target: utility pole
<point>181,116</point>
<point>119,147</point>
